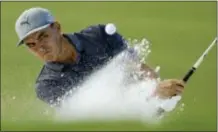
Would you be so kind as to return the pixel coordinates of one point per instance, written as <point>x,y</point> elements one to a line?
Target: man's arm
<point>117,43</point>
<point>152,74</point>
<point>52,91</point>
<point>166,88</point>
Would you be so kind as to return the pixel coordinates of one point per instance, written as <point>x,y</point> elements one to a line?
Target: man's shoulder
<point>90,40</point>
<point>91,31</point>
<point>94,31</point>
<point>95,25</point>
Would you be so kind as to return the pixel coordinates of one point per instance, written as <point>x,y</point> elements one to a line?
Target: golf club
<point>193,69</point>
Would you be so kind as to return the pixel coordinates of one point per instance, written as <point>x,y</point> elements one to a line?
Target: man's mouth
<point>45,51</point>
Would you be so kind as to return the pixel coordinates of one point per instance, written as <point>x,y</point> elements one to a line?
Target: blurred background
<point>179,33</point>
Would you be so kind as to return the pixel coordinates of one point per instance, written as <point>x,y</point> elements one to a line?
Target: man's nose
<point>41,49</point>
<point>40,43</point>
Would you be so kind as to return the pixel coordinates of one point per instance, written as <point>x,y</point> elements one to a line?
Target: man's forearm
<point>149,72</point>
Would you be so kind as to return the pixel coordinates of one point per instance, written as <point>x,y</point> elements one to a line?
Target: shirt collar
<point>56,66</point>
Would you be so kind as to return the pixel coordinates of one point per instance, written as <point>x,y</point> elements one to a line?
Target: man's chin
<point>49,58</point>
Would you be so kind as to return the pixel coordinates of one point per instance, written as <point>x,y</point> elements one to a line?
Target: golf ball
<point>110,29</point>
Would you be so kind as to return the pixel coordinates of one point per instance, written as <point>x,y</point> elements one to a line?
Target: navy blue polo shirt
<point>94,47</point>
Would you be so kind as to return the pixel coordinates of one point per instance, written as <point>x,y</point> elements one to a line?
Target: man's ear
<point>56,25</point>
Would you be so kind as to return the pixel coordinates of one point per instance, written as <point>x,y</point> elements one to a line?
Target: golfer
<point>71,57</point>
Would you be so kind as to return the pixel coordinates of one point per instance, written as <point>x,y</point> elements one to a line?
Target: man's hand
<point>169,88</point>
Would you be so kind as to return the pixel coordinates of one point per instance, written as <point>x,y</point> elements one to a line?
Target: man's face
<point>45,43</point>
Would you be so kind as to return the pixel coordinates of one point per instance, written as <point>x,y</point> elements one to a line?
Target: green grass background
<point>179,33</point>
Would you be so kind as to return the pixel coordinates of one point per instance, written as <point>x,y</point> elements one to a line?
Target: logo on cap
<point>25,21</point>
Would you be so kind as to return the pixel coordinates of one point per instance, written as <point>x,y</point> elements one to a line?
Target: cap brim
<point>31,32</point>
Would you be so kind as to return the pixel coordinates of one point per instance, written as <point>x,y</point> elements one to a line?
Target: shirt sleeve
<point>115,43</point>
<point>51,91</point>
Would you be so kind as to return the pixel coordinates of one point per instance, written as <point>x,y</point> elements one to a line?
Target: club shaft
<point>198,62</point>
